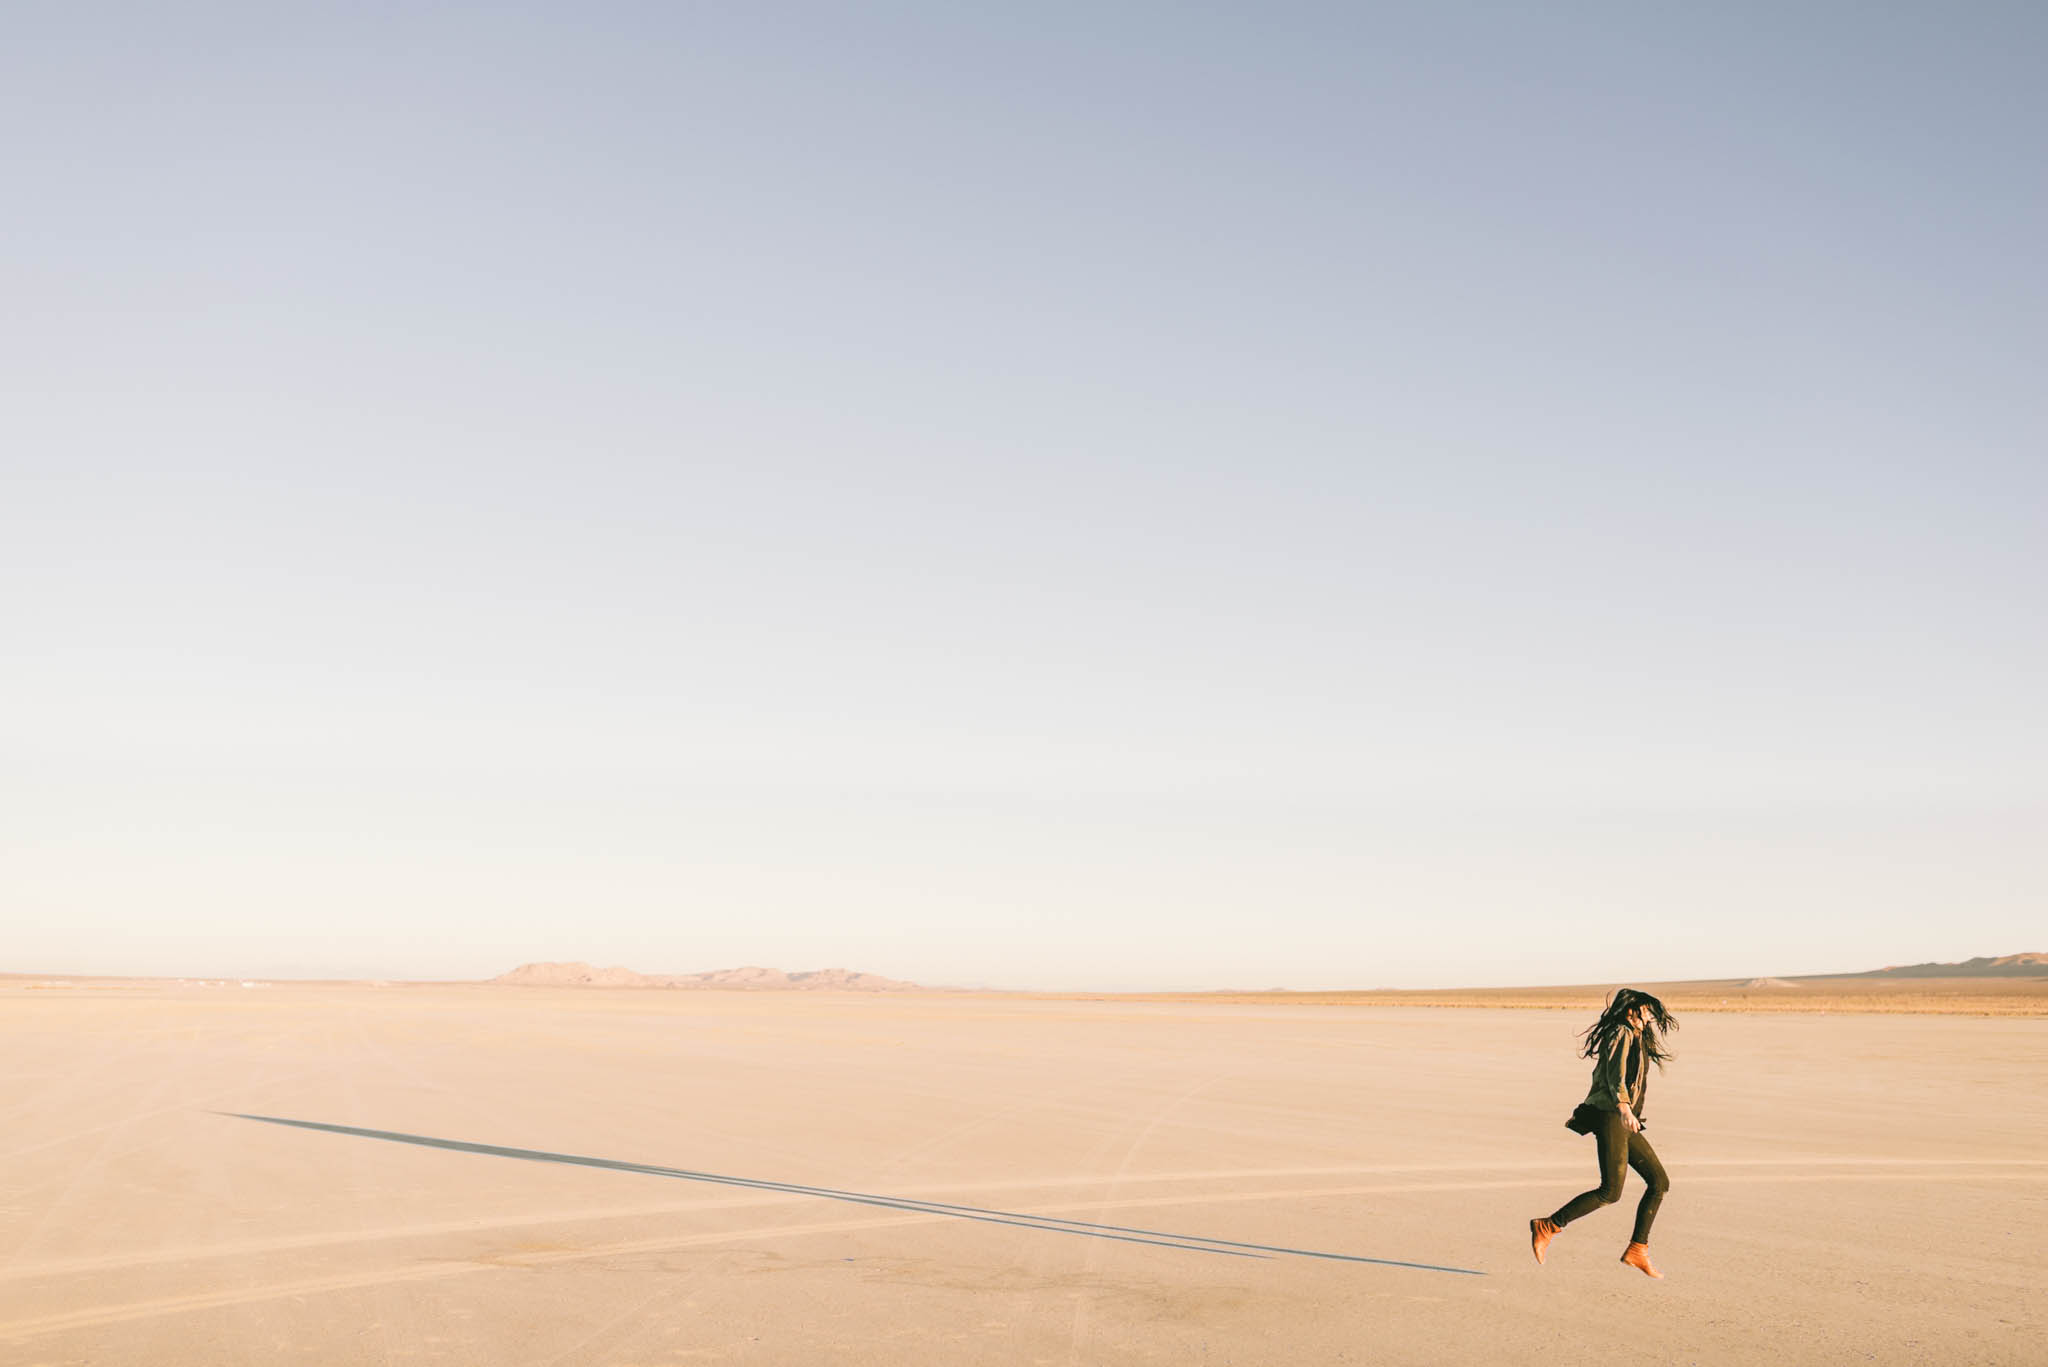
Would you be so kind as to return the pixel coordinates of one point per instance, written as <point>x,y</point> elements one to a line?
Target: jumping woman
<point>1623,1043</point>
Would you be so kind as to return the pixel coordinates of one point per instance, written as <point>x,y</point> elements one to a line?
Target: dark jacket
<point>1621,1072</point>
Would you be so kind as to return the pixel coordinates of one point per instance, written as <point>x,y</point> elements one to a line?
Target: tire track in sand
<point>67,1321</point>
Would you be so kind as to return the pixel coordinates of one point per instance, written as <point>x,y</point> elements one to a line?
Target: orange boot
<point>1637,1256</point>
<point>1541,1232</point>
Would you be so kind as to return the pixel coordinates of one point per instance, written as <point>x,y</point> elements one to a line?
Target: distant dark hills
<point>2004,966</point>
<point>754,979</point>
<point>732,979</point>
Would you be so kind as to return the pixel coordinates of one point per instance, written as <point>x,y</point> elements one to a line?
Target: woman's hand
<point>1628,1118</point>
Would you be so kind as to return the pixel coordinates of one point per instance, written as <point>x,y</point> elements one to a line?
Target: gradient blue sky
<point>1073,496</point>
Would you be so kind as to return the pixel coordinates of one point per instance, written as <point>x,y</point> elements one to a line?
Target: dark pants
<point>1619,1146</point>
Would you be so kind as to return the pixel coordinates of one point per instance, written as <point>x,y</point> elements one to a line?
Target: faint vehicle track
<point>1859,1170</point>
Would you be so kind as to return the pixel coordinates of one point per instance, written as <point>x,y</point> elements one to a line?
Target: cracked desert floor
<point>687,1177</point>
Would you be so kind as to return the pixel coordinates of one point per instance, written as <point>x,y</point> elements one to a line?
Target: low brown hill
<point>774,979</point>
<point>572,975</point>
<point>847,980</point>
<point>748,979</point>
<point>2004,966</point>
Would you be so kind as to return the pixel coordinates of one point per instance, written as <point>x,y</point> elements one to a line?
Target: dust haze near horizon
<point>1060,498</point>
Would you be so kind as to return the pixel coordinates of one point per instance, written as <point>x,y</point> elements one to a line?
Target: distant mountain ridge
<point>748,979</point>
<point>2003,966</point>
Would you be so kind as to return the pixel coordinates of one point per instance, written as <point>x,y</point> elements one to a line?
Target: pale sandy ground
<point>1846,1188</point>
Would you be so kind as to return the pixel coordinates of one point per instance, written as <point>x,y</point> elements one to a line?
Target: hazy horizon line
<point>906,985</point>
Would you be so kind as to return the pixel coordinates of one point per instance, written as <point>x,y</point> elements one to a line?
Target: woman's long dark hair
<point>1614,1020</point>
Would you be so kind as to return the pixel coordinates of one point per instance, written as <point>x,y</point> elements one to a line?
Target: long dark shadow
<point>1193,1243</point>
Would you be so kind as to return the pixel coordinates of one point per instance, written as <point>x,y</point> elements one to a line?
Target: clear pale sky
<point>1050,495</point>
